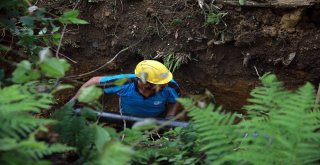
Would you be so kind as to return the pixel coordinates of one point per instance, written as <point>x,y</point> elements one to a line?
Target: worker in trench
<point>150,92</point>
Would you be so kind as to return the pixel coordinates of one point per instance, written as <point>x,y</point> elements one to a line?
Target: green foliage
<point>146,124</point>
<point>15,104</point>
<point>25,73</point>
<point>33,26</point>
<point>287,129</point>
<point>69,17</point>
<point>54,67</point>
<point>120,81</point>
<point>178,146</point>
<point>214,18</point>
<point>215,129</point>
<point>281,128</point>
<point>174,61</point>
<point>32,29</point>
<point>49,66</point>
<point>242,2</point>
<point>214,15</point>
<point>18,126</point>
<point>89,94</point>
<point>91,140</point>
<point>177,22</point>
<point>115,153</point>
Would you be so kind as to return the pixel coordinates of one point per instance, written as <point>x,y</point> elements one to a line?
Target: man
<point>148,93</point>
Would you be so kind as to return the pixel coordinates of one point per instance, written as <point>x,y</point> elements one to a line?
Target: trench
<point>284,41</point>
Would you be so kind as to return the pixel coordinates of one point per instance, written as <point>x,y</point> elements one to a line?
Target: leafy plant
<point>177,22</point>
<point>286,125</point>
<point>174,61</point>
<point>34,27</point>
<point>95,144</point>
<point>90,94</point>
<point>281,128</point>
<point>19,127</point>
<point>32,30</point>
<point>178,146</point>
<point>214,16</point>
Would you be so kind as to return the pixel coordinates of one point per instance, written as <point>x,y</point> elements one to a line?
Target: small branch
<point>63,31</point>
<point>60,41</point>
<point>65,56</point>
<point>162,25</point>
<point>255,68</point>
<point>108,62</point>
<point>14,51</point>
<point>9,62</point>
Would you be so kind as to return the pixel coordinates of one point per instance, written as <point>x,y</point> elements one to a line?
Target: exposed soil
<point>284,41</point>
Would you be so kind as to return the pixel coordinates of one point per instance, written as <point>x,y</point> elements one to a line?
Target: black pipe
<point>111,117</point>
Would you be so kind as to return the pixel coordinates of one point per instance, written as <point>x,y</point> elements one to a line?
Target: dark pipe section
<point>110,117</point>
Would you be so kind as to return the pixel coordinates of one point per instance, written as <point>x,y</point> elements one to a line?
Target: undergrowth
<point>282,126</point>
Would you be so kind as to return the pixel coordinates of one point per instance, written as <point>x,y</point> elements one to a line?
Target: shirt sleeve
<point>110,87</point>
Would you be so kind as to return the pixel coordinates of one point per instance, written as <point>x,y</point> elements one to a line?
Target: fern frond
<point>17,99</point>
<point>19,126</point>
<point>215,129</point>
<point>287,134</point>
<point>29,150</point>
<point>267,97</point>
<point>116,153</point>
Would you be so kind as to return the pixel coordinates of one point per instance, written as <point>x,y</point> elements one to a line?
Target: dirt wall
<point>225,57</point>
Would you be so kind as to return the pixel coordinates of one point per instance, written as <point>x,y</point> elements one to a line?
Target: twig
<point>9,62</point>
<point>162,24</point>
<point>108,62</point>
<point>36,2</point>
<point>121,5</point>
<point>60,41</point>
<point>158,134</point>
<point>124,121</point>
<point>10,48</point>
<point>71,80</point>
<point>63,31</point>
<point>157,28</point>
<point>65,56</point>
<point>14,51</point>
<point>257,71</point>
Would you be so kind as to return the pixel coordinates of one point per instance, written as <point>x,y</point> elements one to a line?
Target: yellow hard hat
<point>154,71</point>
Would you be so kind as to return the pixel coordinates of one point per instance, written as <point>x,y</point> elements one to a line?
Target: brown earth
<point>225,58</point>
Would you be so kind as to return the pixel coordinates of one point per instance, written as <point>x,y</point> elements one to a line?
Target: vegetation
<point>282,127</point>
<point>174,61</point>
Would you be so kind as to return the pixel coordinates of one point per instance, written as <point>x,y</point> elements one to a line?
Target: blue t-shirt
<point>135,104</point>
